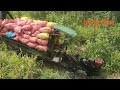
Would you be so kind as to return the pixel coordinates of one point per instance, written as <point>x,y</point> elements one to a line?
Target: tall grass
<point>13,66</point>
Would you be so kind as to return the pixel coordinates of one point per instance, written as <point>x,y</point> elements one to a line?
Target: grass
<point>13,66</point>
<point>91,42</point>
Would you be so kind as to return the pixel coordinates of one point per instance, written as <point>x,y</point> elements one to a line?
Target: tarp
<point>67,30</point>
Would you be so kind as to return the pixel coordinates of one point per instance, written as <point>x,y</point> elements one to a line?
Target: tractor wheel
<point>80,74</point>
<point>12,48</point>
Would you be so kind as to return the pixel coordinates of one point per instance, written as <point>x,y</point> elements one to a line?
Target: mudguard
<point>67,30</point>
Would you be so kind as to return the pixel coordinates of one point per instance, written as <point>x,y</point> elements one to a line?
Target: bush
<point>13,66</point>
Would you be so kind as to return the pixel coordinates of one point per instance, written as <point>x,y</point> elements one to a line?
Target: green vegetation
<point>13,66</point>
<point>91,42</point>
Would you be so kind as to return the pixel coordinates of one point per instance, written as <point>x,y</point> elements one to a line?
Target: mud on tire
<point>80,74</point>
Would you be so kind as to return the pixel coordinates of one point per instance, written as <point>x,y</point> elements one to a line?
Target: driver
<point>3,14</point>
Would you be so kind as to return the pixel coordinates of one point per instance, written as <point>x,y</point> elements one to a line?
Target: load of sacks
<point>33,33</point>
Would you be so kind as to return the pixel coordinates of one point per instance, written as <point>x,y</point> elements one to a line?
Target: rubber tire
<point>80,74</point>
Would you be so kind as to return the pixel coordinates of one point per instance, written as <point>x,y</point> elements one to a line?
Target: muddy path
<point>62,69</point>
